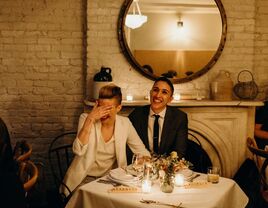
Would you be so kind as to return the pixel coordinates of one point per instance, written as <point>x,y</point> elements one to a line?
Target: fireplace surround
<point>225,124</point>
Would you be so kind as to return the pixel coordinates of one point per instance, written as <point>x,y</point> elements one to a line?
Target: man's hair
<point>111,91</point>
<point>166,80</point>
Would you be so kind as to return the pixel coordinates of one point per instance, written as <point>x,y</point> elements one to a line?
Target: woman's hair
<point>111,91</point>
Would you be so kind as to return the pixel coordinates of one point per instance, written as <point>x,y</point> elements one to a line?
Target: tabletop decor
<point>167,166</point>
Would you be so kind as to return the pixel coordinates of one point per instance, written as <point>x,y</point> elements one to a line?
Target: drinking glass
<point>137,163</point>
<point>213,174</point>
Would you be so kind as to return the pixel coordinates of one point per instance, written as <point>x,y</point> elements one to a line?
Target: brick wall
<point>244,17</point>
<point>261,47</point>
<point>41,69</point>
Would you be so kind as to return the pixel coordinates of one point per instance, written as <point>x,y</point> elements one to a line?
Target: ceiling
<point>178,6</point>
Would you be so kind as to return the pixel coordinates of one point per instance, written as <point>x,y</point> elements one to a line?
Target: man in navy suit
<point>173,123</point>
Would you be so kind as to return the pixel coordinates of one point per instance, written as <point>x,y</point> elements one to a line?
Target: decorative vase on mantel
<point>222,86</point>
<point>102,78</point>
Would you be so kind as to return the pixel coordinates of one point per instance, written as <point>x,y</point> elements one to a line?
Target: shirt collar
<point>161,114</point>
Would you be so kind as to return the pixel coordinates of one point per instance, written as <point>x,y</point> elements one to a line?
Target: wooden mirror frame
<point>131,59</point>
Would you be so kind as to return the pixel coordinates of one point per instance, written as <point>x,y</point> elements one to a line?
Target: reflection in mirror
<point>182,39</point>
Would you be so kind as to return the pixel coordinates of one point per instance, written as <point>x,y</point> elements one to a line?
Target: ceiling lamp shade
<point>134,20</point>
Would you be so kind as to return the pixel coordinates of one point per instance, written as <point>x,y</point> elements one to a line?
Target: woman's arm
<point>258,132</point>
<point>135,143</point>
<point>96,113</point>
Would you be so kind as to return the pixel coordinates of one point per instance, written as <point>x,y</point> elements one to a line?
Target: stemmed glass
<point>137,163</point>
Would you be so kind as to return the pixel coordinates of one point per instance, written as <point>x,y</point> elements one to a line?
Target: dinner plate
<point>130,170</point>
<point>187,173</point>
<point>121,175</point>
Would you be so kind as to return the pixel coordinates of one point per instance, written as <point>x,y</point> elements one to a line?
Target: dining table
<point>196,194</point>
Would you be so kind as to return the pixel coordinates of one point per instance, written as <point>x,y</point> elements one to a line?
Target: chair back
<point>258,153</point>
<point>60,156</point>
<point>195,152</point>
<point>28,173</point>
<point>261,158</point>
<point>22,151</point>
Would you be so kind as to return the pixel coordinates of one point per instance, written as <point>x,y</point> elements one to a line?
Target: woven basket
<point>246,90</point>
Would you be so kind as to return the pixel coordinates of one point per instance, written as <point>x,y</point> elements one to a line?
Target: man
<point>261,126</point>
<point>173,123</point>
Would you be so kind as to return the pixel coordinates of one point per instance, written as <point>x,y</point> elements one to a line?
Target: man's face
<point>160,96</point>
<point>114,109</point>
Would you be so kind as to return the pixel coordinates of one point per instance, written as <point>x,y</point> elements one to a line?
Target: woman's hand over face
<point>99,112</point>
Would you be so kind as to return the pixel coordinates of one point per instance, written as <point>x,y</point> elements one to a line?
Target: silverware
<point>197,175</point>
<point>148,201</point>
<point>113,183</point>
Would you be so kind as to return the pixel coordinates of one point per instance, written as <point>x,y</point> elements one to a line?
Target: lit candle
<point>146,186</point>
<point>177,96</point>
<point>179,179</point>
<point>129,97</point>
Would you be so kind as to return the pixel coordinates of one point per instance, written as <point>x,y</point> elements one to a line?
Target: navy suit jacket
<point>174,133</point>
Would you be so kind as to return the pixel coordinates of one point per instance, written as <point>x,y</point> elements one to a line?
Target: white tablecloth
<point>225,194</point>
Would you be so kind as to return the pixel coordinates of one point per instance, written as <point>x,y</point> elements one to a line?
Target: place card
<point>196,184</point>
<point>123,189</point>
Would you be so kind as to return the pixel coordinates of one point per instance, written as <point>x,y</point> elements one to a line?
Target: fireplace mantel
<point>189,103</point>
<point>225,124</point>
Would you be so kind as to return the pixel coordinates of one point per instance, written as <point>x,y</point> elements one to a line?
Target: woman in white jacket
<point>101,141</point>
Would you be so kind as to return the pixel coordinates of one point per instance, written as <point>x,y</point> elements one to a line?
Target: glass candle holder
<point>177,96</point>
<point>129,97</point>
<point>146,186</point>
<point>179,179</point>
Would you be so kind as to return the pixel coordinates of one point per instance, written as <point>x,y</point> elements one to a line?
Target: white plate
<point>131,171</point>
<point>187,173</point>
<point>120,175</point>
<point>127,183</point>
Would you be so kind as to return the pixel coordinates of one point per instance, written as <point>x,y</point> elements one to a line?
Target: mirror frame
<point>131,59</point>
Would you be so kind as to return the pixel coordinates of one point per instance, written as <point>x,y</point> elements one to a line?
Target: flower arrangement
<point>167,166</point>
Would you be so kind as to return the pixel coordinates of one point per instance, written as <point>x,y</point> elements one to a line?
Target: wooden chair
<point>60,156</point>
<point>261,158</point>
<point>22,151</point>
<point>28,173</point>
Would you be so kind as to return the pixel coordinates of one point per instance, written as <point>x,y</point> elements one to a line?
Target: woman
<point>101,140</point>
<point>11,188</point>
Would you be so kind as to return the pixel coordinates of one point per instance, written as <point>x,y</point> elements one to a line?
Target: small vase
<point>167,184</point>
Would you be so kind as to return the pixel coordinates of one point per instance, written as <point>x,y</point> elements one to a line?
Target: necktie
<point>156,133</point>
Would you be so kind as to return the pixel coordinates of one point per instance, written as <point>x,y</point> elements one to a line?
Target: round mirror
<point>179,39</point>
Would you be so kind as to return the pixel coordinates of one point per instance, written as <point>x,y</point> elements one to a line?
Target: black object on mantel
<point>104,75</point>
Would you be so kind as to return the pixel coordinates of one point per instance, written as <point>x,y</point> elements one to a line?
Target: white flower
<point>173,155</point>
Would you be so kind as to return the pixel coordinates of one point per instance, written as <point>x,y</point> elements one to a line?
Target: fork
<point>192,179</point>
<point>115,184</point>
<point>148,201</point>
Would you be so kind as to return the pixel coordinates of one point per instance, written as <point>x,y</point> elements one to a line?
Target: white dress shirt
<point>151,126</point>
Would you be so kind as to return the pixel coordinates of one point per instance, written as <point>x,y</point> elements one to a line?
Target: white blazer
<point>124,133</point>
